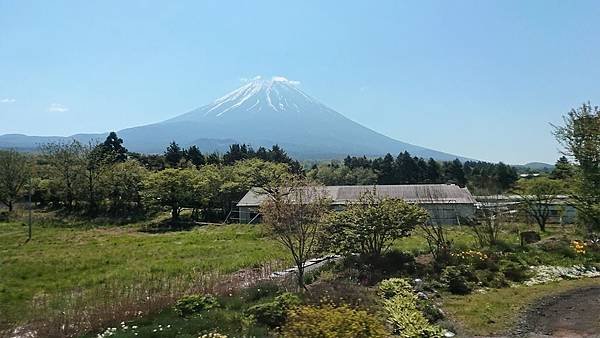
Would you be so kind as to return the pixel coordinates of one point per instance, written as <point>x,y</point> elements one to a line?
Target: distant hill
<point>535,167</point>
<point>260,113</point>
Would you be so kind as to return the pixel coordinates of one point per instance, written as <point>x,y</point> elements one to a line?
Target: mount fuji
<point>262,112</point>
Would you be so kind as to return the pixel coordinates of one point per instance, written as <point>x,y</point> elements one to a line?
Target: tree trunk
<point>10,206</point>
<point>175,213</point>
<point>543,225</point>
<point>300,276</point>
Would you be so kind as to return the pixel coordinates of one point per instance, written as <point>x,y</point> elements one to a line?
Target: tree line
<point>106,179</point>
<point>480,177</point>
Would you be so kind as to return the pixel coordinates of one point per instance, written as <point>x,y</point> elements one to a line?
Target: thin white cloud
<point>363,88</point>
<point>283,79</point>
<point>58,108</point>
<point>246,80</point>
<point>8,100</point>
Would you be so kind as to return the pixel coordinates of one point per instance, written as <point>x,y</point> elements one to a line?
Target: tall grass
<point>83,311</point>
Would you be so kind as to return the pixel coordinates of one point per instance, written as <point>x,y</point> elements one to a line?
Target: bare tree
<point>537,197</point>
<point>488,223</point>
<point>433,230</point>
<point>292,214</point>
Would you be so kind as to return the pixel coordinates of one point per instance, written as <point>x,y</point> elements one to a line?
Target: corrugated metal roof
<point>414,193</point>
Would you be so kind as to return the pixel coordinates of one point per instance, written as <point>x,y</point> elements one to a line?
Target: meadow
<point>60,260</point>
<point>89,276</point>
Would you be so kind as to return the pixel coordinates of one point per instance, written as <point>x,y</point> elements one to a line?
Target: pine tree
<point>433,172</point>
<point>173,154</point>
<point>563,169</point>
<point>385,170</point>
<point>194,155</point>
<point>112,150</point>
<point>454,173</point>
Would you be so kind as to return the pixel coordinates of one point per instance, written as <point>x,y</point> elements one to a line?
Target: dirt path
<point>572,314</point>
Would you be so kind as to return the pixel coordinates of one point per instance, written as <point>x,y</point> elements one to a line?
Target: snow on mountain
<point>264,112</point>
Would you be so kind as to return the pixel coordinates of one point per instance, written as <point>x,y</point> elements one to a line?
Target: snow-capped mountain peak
<point>260,95</point>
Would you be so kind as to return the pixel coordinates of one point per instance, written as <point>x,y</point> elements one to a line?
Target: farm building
<point>446,203</point>
<point>560,208</point>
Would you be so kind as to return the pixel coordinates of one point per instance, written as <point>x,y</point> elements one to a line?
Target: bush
<point>371,270</point>
<point>342,292</point>
<point>491,279</point>
<point>459,279</point>
<point>430,311</point>
<point>273,314</point>
<point>260,290</point>
<point>193,304</point>
<point>514,271</point>
<point>328,321</point>
<point>395,286</point>
<point>404,310</point>
<point>407,320</point>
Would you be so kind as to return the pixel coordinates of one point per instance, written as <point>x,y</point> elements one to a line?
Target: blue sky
<point>478,78</point>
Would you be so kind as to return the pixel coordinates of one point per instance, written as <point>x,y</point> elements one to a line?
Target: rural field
<point>80,267</point>
<point>61,262</point>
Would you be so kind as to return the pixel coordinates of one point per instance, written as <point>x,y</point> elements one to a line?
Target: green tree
<point>246,174</point>
<point>207,188</point>
<point>385,169</point>
<point>371,225</point>
<point>66,164</point>
<point>124,184</point>
<point>454,172</point>
<point>433,172</point>
<point>506,176</point>
<point>173,155</point>
<point>194,155</point>
<point>406,169</point>
<point>563,169</point>
<point>112,149</point>
<point>580,138</point>
<point>97,159</point>
<point>172,188</point>
<point>15,171</point>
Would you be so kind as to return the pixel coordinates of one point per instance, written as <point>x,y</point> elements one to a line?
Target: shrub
<point>491,279</point>
<point>193,304</point>
<point>261,290</point>
<point>514,271</point>
<point>407,320</point>
<point>459,279</point>
<point>327,321</point>
<point>273,314</point>
<point>430,311</point>
<point>404,313</point>
<point>342,292</point>
<point>395,286</point>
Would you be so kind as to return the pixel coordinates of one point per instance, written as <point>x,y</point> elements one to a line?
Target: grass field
<point>67,258</point>
<point>60,259</point>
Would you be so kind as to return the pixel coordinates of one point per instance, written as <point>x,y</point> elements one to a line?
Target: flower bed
<point>546,273</point>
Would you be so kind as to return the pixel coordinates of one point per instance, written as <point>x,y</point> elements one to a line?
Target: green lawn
<point>60,259</point>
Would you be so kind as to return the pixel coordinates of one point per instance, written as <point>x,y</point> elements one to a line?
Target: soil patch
<point>572,314</point>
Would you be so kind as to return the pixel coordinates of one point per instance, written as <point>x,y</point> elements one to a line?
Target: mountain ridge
<point>262,112</point>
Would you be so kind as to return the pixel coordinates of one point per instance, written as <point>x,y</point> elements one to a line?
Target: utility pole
<point>29,235</point>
